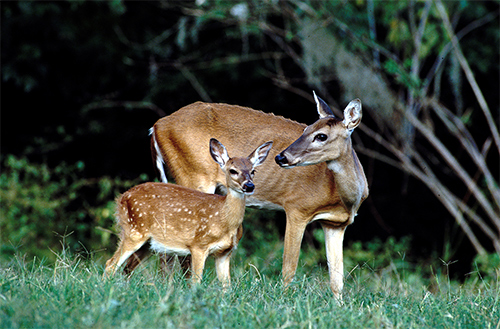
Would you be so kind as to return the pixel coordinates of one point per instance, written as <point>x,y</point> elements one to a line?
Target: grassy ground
<point>72,294</point>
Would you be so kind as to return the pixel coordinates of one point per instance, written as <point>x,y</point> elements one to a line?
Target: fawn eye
<point>253,172</point>
<point>233,172</point>
<point>320,137</point>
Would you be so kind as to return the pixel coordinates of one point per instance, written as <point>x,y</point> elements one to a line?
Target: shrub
<point>39,205</point>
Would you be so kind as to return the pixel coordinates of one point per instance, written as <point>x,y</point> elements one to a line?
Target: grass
<point>72,294</point>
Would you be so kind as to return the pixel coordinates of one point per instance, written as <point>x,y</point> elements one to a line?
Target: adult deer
<point>330,191</point>
<point>179,220</point>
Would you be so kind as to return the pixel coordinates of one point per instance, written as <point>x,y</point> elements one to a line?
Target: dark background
<point>84,81</point>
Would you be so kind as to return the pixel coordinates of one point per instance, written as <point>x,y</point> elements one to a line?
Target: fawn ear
<point>260,154</point>
<point>323,109</point>
<point>353,114</point>
<point>218,152</point>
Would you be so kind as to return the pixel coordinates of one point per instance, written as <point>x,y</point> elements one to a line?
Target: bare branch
<point>446,198</point>
<point>194,82</point>
<point>452,161</point>
<point>373,31</point>
<point>458,129</point>
<point>446,49</point>
<point>469,74</point>
<point>125,104</point>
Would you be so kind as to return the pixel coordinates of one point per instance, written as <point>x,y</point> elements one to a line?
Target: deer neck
<point>233,209</point>
<point>350,179</point>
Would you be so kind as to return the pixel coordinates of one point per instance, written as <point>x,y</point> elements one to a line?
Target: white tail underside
<point>159,158</point>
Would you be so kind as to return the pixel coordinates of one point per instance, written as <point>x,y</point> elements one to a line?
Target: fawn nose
<point>281,159</point>
<point>248,187</point>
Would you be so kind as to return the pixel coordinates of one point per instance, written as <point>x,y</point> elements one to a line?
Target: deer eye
<point>253,172</point>
<point>233,172</point>
<point>320,137</point>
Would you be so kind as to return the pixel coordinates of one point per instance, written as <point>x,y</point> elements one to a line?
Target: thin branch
<point>359,38</point>
<point>147,45</point>
<point>228,60</point>
<point>373,31</point>
<point>417,40</point>
<point>194,82</point>
<point>478,220</point>
<point>450,159</point>
<point>458,129</point>
<point>469,74</point>
<point>283,83</point>
<point>125,104</point>
<point>436,67</point>
<point>445,196</point>
<point>413,104</point>
<point>484,153</point>
<point>274,33</point>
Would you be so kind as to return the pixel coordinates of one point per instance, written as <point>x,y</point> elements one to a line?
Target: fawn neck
<point>233,208</point>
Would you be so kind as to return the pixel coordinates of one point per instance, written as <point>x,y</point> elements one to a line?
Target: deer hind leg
<point>334,237</point>
<point>135,259</point>
<point>126,248</point>
<point>294,233</point>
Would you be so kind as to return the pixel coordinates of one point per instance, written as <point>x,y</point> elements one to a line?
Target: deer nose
<point>281,159</point>
<point>248,187</point>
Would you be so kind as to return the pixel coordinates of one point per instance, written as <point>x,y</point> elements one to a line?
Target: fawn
<point>182,221</point>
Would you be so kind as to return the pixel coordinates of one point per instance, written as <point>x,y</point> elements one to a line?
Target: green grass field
<point>71,293</point>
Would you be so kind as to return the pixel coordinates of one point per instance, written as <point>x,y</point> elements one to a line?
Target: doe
<point>324,182</point>
<point>183,221</point>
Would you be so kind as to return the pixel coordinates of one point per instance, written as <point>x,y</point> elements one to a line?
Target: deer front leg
<point>198,258</point>
<point>334,237</point>
<point>293,238</point>
<point>222,268</point>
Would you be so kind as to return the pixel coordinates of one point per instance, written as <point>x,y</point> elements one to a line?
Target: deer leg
<point>135,259</point>
<point>198,258</point>
<point>125,249</point>
<point>334,237</point>
<point>293,238</point>
<point>222,268</point>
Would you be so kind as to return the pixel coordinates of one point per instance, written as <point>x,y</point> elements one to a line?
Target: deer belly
<point>254,202</point>
<point>335,217</point>
<point>163,249</point>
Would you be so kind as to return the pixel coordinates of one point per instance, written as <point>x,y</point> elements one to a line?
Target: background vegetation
<point>82,82</point>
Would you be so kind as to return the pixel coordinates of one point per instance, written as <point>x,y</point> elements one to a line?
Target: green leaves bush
<point>40,205</point>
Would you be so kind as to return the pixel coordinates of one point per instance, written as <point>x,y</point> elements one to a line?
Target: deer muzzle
<point>248,187</point>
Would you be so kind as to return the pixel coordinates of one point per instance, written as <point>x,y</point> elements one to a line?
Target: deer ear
<point>260,154</point>
<point>353,114</point>
<point>323,109</point>
<point>218,152</point>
